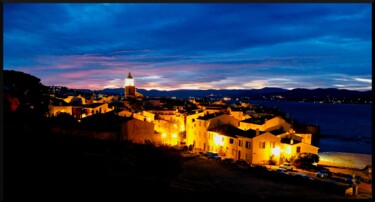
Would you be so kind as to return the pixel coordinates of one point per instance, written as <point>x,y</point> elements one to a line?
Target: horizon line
<point>287,89</point>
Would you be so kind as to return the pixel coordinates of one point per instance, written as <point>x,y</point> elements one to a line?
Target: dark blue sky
<point>191,46</point>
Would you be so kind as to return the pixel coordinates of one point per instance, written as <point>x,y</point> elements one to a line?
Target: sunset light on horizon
<point>191,46</point>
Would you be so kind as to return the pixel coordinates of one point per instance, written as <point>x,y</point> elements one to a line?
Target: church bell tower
<point>129,87</point>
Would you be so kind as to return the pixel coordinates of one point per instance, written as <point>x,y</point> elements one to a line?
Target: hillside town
<point>47,125</point>
<point>240,131</point>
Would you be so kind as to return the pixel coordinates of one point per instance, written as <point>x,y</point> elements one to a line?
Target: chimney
<point>257,132</point>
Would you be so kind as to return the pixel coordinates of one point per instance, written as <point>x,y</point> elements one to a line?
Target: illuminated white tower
<point>129,87</point>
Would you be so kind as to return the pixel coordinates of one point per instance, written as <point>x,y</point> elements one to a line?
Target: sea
<point>344,127</point>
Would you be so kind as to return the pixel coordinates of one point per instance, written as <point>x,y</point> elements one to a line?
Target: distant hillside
<point>327,95</point>
<point>194,93</point>
<point>299,94</point>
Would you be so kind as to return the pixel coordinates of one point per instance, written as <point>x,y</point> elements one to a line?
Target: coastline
<point>345,160</point>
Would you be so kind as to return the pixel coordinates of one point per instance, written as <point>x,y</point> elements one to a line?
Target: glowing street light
<point>218,140</point>
<point>275,151</point>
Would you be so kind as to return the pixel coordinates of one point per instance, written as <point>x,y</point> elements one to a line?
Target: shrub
<point>306,160</point>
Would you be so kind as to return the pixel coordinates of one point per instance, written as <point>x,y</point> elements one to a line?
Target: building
<point>201,126</point>
<point>265,123</point>
<point>129,90</point>
<point>138,131</point>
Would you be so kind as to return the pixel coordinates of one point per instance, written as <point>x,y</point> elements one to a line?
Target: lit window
<point>247,145</point>
<point>262,145</point>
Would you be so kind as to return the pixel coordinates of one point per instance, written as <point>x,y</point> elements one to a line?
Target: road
<point>364,189</point>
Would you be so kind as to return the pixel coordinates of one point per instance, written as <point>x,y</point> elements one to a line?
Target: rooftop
<point>287,141</point>
<point>94,105</point>
<point>259,121</point>
<point>232,131</point>
<point>58,102</point>
<point>210,116</point>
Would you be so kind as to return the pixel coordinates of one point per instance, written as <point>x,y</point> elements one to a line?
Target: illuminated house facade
<point>220,133</point>
<point>265,147</point>
<point>170,124</point>
<point>95,108</point>
<point>293,143</point>
<point>77,111</point>
<point>251,145</point>
<point>190,127</point>
<point>266,123</point>
<point>56,110</point>
<point>138,131</point>
<point>202,125</point>
<point>238,114</point>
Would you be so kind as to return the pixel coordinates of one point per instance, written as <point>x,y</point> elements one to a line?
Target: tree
<point>24,98</point>
<point>306,160</point>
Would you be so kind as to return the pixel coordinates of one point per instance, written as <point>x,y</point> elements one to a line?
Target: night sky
<point>191,46</point>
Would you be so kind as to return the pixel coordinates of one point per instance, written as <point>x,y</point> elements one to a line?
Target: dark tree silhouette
<point>306,160</point>
<point>24,93</point>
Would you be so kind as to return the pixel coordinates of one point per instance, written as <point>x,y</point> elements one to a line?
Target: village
<point>239,131</point>
<point>208,132</point>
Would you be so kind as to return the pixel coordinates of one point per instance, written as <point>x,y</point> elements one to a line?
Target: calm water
<point>349,126</point>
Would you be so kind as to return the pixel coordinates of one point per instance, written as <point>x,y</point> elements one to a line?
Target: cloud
<point>363,80</point>
<point>203,46</point>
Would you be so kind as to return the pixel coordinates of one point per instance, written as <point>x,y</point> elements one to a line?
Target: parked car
<point>304,176</point>
<point>213,155</point>
<point>323,173</point>
<point>287,166</point>
<point>228,160</point>
<point>243,163</point>
<point>258,168</point>
<point>282,171</point>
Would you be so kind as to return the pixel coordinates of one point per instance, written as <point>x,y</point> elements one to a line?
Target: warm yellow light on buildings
<point>288,150</point>
<point>163,135</point>
<point>83,115</point>
<point>218,139</point>
<point>174,135</point>
<point>175,125</point>
<point>275,151</point>
<point>182,127</point>
<point>148,119</point>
